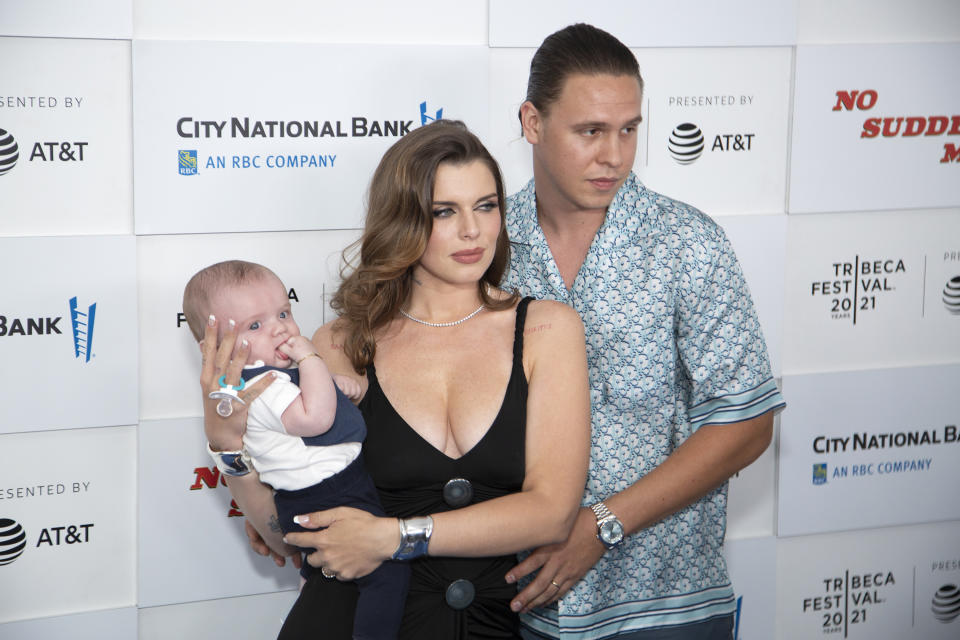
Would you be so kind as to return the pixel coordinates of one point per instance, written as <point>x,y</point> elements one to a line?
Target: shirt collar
<point>630,210</point>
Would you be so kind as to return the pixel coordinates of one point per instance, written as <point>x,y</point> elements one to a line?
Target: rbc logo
<point>187,160</point>
<point>424,118</point>
<point>82,324</point>
<point>820,473</point>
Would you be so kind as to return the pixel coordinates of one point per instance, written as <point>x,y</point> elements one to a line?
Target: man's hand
<point>561,565</point>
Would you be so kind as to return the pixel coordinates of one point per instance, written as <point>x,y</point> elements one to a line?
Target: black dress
<point>449,598</point>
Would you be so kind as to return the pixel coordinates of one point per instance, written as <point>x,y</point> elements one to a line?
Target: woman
<point>476,403</point>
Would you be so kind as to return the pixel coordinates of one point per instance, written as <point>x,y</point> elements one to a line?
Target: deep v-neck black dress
<point>410,475</point>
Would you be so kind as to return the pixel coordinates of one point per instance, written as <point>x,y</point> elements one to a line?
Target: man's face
<point>585,145</point>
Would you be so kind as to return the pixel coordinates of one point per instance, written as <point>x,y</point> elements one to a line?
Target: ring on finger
<point>555,584</point>
<point>327,573</point>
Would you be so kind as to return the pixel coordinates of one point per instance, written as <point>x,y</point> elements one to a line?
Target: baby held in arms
<point>303,434</point>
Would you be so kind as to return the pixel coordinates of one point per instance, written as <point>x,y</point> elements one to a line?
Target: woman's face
<point>466,224</point>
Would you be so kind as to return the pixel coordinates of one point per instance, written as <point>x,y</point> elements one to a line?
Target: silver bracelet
<point>414,538</point>
<point>232,463</point>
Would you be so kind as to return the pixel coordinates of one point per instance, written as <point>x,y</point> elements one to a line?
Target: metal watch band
<point>231,463</point>
<point>414,538</point>
<point>601,511</point>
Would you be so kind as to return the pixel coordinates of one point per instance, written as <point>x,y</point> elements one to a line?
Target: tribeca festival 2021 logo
<point>846,599</point>
<point>9,152</point>
<point>919,127</point>
<point>245,128</point>
<point>856,287</point>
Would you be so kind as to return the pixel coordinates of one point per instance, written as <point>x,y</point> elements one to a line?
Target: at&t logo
<point>13,540</point>
<point>687,142</point>
<point>9,152</point>
<point>951,295</point>
<point>946,603</point>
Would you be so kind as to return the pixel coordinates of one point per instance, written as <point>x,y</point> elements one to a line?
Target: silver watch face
<point>611,532</point>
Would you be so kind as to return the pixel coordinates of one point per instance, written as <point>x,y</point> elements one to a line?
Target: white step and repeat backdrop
<point>140,141</point>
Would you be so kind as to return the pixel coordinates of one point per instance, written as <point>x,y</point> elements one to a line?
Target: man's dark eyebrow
<point>599,124</point>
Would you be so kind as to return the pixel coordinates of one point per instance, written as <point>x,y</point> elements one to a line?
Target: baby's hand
<point>350,387</point>
<point>298,347</point>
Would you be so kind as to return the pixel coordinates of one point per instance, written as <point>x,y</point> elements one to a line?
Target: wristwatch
<point>609,528</point>
<point>231,463</point>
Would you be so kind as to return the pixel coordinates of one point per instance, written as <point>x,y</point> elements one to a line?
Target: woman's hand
<point>353,544</point>
<point>260,546</point>
<point>227,360</point>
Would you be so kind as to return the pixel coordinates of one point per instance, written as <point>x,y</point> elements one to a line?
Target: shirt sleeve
<point>719,339</point>
<point>269,406</point>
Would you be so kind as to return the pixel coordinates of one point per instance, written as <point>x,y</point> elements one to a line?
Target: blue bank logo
<point>820,473</point>
<point>425,117</point>
<point>187,162</point>
<point>81,321</point>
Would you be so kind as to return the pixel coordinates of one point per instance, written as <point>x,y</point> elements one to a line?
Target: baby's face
<point>262,312</point>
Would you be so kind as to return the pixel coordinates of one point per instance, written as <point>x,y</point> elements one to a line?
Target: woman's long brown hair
<point>398,225</point>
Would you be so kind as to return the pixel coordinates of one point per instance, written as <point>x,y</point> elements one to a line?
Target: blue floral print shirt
<point>673,343</point>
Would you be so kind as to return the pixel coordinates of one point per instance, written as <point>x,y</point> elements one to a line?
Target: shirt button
<point>458,492</point>
<point>460,594</point>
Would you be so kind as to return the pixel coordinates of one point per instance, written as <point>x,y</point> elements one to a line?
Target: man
<point>681,391</point>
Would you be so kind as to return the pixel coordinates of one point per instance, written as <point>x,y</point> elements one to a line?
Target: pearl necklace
<point>441,324</point>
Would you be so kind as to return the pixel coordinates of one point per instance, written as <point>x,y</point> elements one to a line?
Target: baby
<point>303,433</point>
